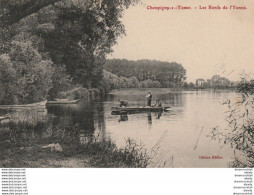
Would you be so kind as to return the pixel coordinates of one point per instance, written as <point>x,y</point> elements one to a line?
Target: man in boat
<point>149,99</point>
<point>158,103</point>
<point>123,103</point>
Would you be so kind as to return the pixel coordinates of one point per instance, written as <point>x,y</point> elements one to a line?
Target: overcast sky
<point>205,42</point>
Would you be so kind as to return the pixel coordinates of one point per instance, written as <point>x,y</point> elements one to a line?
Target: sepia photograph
<point>126,84</point>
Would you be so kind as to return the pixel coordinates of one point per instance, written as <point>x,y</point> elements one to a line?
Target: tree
<point>14,11</point>
<point>134,83</point>
<point>60,81</point>
<point>191,85</point>
<point>218,81</point>
<point>110,81</point>
<point>8,80</point>
<point>25,76</point>
<point>88,33</point>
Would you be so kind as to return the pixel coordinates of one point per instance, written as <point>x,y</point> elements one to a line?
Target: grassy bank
<point>94,153</point>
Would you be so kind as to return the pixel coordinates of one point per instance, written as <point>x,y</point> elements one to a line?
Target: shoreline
<point>72,154</point>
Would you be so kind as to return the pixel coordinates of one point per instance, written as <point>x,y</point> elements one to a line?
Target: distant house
<point>200,82</point>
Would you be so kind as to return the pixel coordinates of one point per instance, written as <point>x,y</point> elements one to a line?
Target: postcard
<point>126,84</point>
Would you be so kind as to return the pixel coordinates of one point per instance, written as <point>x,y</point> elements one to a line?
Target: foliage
<point>167,74</point>
<point>79,92</point>
<point>106,154</point>
<point>112,81</point>
<point>61,82</point>
<point>12,11</point>
<point>149,84</point>
<point>53,47</point>
<point>24,75</point>
<point>82,37</point>
<point>240,131</point>
<point>8,78</point>
<point>76,93</point>
<point>189,85</point>
<point>215,82</point>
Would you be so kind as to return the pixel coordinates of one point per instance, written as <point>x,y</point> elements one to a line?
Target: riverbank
<point>125,91</point>
<point>68,152</point>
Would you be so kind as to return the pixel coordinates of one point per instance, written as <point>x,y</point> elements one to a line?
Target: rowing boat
<point>33,105</point>
<point>3,117</point>
<point>62,101</point>
<point>135,109</point>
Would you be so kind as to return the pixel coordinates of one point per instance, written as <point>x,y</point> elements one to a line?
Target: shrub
<point>240,131</point>
<point>105,153</point>
<point>24,75</point>
<point>76,93</point>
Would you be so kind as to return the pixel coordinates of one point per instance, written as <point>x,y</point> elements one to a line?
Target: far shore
<point>170,89</point>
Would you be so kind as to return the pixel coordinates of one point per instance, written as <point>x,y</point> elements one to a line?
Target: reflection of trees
<point>30,116</point>
<point>57,121</point>
<point>99,115</point>
<point>67,117</point>
<point>177,99</point>
<point>23,124</point>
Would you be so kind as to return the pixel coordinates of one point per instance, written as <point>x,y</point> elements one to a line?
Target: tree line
<point>163,74</point>
<point>112,81</point>
<point>216,82</point>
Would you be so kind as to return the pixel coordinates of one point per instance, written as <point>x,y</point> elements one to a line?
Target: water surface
<point>180,135</point>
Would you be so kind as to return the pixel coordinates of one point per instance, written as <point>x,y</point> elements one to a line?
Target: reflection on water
<point>123,117</point>
<point>176,131</point>
<point>149,117</point>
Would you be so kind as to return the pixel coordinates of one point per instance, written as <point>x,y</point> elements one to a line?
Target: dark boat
<point>4,119</point>
<point>62,101</point>
<point>24,106</point>
<point>135,109</point>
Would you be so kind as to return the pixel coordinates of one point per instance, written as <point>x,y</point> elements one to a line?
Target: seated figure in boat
<point>123,103</point>
<point>158,103</point>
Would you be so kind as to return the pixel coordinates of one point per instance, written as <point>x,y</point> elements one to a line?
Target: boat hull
<point>24,106</point>
<point>133,110</point>
<point>62,102</point>
<point>4,119</point>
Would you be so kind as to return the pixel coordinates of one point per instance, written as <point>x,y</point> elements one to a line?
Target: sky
<point>206,42</point>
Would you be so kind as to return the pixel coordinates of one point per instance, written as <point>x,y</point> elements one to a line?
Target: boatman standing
<point>149,99</point>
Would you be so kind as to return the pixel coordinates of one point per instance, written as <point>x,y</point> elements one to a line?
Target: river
<point>179,135</point>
